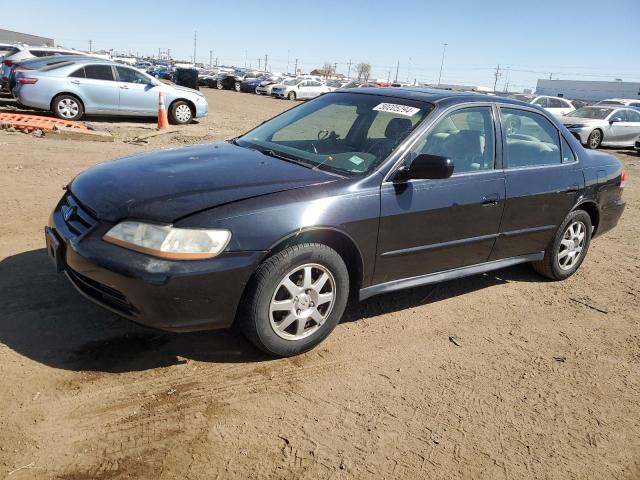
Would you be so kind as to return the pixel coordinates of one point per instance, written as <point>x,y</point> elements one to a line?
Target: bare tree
<point>327,70</point>
<point>364,70</point>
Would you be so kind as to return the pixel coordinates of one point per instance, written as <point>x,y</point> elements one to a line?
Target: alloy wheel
<point>594,139</point>
<point>302,301</point>
<point>571,245</point>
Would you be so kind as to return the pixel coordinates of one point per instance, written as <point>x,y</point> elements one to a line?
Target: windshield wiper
<point>271,153</point>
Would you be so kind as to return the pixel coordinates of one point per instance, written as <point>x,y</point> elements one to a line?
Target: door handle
<point>124,87</point>
<point>573,189</point>
<point>490,200</point>
<point>75,82</point>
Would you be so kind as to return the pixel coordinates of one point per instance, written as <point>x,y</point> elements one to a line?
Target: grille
<point>77,218</point>
<point>101,293</point>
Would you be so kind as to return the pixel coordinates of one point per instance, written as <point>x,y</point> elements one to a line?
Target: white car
<point>24,52</point>
<point>555,105</point>
<point>299,88</point>
<point>266,86</point>
<point>627,102</point>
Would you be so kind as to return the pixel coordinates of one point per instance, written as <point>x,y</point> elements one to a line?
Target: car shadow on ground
<point>46,320</point>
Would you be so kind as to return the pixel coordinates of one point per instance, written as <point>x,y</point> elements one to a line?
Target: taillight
<point>8,63</point>
<point>27,80</point>
<point>20,67</point>
<point>623,179</point>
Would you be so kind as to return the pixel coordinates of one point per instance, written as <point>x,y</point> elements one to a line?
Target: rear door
<point>98,88</point>
<point>543,182</point>
<point>137,95</point>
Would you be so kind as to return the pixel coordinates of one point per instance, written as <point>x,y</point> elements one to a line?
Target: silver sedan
<point>607,126</point>
<point>72,89</point>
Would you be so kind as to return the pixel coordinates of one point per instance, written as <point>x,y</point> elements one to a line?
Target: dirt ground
<point>541,380</point>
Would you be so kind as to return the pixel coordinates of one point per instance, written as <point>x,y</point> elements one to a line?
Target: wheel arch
<point>71,94</point>
<point>592,209</point>
<point>332,237</point>
<point>192,105</point>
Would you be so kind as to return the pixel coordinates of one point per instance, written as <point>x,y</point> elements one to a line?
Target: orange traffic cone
<point>163,120</point>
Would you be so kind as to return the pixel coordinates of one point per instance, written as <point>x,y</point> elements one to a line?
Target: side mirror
<point>426,166</point>
<point>615,120</point>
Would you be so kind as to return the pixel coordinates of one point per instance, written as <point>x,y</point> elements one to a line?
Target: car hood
<point>167,185</point>
<point>184,89</point>
<point>580,121</point>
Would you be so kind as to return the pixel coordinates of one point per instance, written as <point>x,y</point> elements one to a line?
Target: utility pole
<point>266,57</point>
<point>295,69</point>
<point>288,53</point>
<point>90,46</point>
<point>245,58</point>
<point>158,53</point>
<point>389,76</point>
<point>496,75</point>
<point>195,41</point>
<point>349,71</point>
<point>409,70</point>
<point>551,76</point>
<point>335,68</point>
<point>506,82</point>
<point>169,53</point>
<point>397,70</point>
<point>444,49</point>
<point>210,58</point>
<point>259,64</point>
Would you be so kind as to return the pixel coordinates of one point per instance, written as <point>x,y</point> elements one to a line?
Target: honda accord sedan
<point>355,193</point>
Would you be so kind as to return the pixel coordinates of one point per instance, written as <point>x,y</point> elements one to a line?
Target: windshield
<point>596,113</point>
<point>344,133</point>
<point>292,82</point>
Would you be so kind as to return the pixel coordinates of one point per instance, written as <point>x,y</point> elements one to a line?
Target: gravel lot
<point>542,379</point>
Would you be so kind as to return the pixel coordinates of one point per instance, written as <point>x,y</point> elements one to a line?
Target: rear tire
<point>295,299</point>
<point>595,139</point>
<point>67,107</point>
<point>219,85</point>
<point>180,113</point>
<point>236,86</point>
<point>569,247</point>
<point>291,96</point>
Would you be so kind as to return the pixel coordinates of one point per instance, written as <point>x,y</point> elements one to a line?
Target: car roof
<point>434,95</point>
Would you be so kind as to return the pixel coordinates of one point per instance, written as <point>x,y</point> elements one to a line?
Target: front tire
<point>67,107</point>
<point>180,113</point>
<point>295,299</point>
<point>594,140</point>
<point>236,86</point>
<point>291,96</point>
<point>569,247</point>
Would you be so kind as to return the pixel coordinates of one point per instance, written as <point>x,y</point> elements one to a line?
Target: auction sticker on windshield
<point>396,108</point>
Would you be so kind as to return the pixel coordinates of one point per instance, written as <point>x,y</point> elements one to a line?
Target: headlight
<point>168,242</point>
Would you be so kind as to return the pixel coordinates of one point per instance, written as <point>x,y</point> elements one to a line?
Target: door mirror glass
<point>426,166</point>
<point>615,120</point>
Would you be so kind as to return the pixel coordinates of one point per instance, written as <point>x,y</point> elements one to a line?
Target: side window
<point>566,104</point>
<point>78,73</point>
<point>41,53</point>
<point>99,72</point>
<point>620,115</point>
<point>315,84</point>
<point>567,154</point>
<point>128,75</point>
<point>555,103</point>
<point>466,136</point>
<point>542,102</point>
<point>634,104</point>
<point>530,139</point>
<point>633,116</point>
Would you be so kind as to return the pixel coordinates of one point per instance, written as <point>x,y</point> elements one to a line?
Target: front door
<point>430,226</point>
<point>137,94</point>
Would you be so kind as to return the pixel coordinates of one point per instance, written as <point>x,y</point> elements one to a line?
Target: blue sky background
<point>571,39</point>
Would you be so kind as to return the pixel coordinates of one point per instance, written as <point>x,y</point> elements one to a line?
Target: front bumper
<point>279,93</point>
<point>581,134</point>
<point>164,294</point>
<point>202,107</point>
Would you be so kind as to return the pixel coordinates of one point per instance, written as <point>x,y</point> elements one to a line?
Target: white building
<point>587,89</point>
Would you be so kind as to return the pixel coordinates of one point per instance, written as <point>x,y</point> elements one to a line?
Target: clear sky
<point>568,39</point>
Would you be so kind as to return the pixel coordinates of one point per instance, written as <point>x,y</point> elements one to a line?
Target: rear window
<point>98,72</point>
<point>5,52</point>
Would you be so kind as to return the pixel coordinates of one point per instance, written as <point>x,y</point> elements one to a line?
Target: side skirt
<point>447,275</point>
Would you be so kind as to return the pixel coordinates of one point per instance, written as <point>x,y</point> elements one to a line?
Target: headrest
<point>397,128</point>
